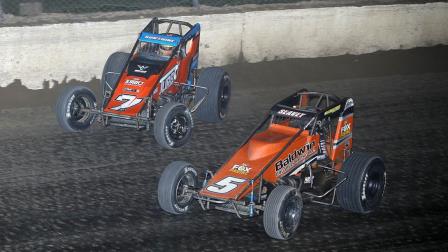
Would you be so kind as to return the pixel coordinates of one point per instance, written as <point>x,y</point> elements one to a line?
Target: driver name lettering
<point>290,113</point>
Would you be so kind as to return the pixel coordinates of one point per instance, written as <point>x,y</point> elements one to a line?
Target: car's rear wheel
<point>112,70</point>
<point>216,104</point>
<point>74,108</point>
<point>173,125</point>
<point>282,213</point>
<point>364,185</point>
<point>175,185</point>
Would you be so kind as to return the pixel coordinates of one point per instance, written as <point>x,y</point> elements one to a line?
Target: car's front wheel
<point>74,108</point>
<point>173,125</point>
<point>282,213</point>
<point>175,185</point>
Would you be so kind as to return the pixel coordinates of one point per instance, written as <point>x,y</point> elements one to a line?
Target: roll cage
<point>301,107</point>
<point>185,30</point>
<point>154,27</point>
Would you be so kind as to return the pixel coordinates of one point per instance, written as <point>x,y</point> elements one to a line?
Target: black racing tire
<point>173,125</point>
<point>171,188</point>
<point>364,187</point>
<point>71,101</point>
<point>282,212</point>
<point>115,63</point>
<point>216,104</point>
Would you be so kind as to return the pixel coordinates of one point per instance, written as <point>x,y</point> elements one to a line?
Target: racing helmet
<point>166,50</point>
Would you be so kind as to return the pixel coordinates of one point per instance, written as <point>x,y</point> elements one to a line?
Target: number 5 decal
<point>226,185</point>
<point>129,101</point>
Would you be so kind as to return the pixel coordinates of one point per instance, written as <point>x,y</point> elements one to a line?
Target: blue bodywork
<point>192,32</point>
<point>159,39</point>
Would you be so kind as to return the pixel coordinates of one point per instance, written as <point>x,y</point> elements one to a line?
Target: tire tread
<point>211,78</point>
<point>348,193</point>
<point>61,105</point>
<point>165,188</point>
<point>273,205</point>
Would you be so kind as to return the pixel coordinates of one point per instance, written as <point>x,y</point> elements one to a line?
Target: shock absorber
<point>252,201</point>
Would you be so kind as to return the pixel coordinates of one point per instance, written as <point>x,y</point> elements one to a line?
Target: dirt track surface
<point>97,190</point>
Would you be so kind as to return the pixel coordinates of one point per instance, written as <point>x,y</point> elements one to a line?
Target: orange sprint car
<point>301,152</point>
<point>157,86</point>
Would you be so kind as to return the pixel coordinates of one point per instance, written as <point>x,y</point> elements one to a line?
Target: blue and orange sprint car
<point>156,86</point>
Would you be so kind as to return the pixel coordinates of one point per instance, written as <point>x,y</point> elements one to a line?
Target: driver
<point>144,49</point>
<point>166,50</point>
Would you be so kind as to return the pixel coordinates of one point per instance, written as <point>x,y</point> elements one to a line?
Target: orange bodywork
<point>283,149</point>
<point>342,141</point>
<point>248,162</point>
<point>131,92</point>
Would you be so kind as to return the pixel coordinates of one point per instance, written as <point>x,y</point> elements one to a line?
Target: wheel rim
<point>291,215</point>
<point>183,198</point>
<point>79,107</point>
<point>224,98</point>
<point>178,127</point>
<point>373,185</point>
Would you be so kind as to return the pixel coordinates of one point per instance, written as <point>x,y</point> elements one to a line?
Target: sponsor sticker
<point>141,69</point>
<point>241,169</point>
<point>131,90</point>
<point>168,79</point>
<point>133,82</point>
<point>159,38</point>
<point>294,158</point>
<point>69,105</point>
<point>346,129</point>
<point>350,103</point>
<point>332,110</point>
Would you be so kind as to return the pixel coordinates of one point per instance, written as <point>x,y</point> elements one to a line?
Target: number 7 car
<point>156,86</point>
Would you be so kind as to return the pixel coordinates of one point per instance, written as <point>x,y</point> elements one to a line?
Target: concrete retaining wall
<point>79,50</point>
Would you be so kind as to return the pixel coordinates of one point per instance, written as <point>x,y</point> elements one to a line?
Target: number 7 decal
<point>226,185</point>
<point>129,101</point>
